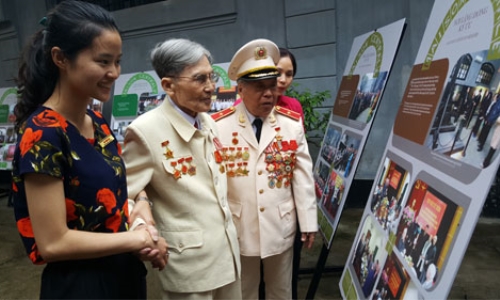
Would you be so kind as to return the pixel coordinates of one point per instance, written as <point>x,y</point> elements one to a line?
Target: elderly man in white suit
<point>169,153</point>
<point>269,172</point>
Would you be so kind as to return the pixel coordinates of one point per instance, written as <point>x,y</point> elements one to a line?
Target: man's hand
<point>308,239</point>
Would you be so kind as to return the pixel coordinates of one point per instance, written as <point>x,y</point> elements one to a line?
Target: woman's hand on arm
<point>142,209</point>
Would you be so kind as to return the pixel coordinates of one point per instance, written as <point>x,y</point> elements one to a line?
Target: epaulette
<point>289,113</point>
<point>223,113</point>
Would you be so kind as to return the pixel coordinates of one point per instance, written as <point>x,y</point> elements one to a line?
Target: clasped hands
<point>158,253</point>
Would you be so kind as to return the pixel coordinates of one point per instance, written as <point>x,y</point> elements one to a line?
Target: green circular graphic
<point>377,41</point>
<point>141,76</point>
<point>7,93</point>
<point>494,51</point>
<point>223,75</point>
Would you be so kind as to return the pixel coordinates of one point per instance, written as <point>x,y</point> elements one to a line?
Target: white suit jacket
<point>191,211</point>
<point>264,211</point>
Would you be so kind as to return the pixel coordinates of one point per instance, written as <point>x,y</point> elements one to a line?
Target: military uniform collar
<point>244,115</point>
<point>181,122</point>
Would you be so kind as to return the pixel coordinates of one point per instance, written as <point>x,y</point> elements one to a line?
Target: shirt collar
<point>188,118</point>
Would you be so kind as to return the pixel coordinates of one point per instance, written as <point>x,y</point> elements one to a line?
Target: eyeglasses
<point>201,79</point>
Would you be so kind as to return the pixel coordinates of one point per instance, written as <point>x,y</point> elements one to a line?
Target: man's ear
<point>239,87</point>
<point>58,57</point>
<point>168,85</point>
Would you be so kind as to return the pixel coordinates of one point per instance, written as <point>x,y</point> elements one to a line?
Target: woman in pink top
<point>287,68</point>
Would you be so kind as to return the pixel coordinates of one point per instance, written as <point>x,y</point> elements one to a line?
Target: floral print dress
<point>92,171</point>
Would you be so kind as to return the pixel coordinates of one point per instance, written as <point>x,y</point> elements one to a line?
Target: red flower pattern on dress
<point>98,114</point>
<point>49,118</point>
<point>119,148</point>
<point>74,182</point>
<point>35,256</point>
<point>14,187</point>
<point>125,209</point>
<point>70,210</point>
<point>25,228</point>
<point>29,139</point>
<point>106,197</point>
<point>114,222</point>
<point>105,129</point>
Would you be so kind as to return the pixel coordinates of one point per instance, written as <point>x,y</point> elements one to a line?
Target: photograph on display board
<point>321,174</point>
<point>332,195</point>
<point>149,101</point>
<point>468,111</point>
<point>390,191</point>
<point>223,98</point>
<point>368,257</point>
<point>7,152</point>
<point>426,230</point>
<point>394,282</point>
<point>96,105</point>
<point>367,97</point>
<point>346,154</point>
<point>3,135</point>
<point>226,92</point>
<point>119,127</point>
<point>330,143</point>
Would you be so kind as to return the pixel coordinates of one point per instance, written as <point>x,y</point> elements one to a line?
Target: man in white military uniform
<point>270,180</point>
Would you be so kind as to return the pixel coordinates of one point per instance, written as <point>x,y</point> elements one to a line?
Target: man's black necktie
<point>258,124</point>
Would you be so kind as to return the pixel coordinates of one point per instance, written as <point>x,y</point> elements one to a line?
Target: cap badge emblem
<point>260,53</point>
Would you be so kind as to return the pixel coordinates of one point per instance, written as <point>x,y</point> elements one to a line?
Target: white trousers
<point>277,276</point>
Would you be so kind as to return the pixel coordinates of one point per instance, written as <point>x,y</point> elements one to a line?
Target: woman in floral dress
<point>70,193</point>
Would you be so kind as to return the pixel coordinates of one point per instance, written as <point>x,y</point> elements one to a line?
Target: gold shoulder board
<point>286,112</point>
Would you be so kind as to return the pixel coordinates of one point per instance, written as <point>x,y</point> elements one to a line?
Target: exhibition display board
<point>8,100</point>
<point>438,164</point>
<point>358,99</point>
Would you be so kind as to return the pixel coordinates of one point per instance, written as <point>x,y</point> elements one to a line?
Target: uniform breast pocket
<point>288,217</point>
<point>180,241</point>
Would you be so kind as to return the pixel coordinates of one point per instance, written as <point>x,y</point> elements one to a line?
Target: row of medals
<point>280,164</point>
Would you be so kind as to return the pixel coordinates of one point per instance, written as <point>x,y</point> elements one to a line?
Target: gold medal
<point>278,184</point>
<point>239,170</point>
<point>169,154</point>
<point>245,155</point>
<point>271,183</point>
<point>177,173</point>
<point>235,138</point>
<point>245,171</point>
<point>230,171</point>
